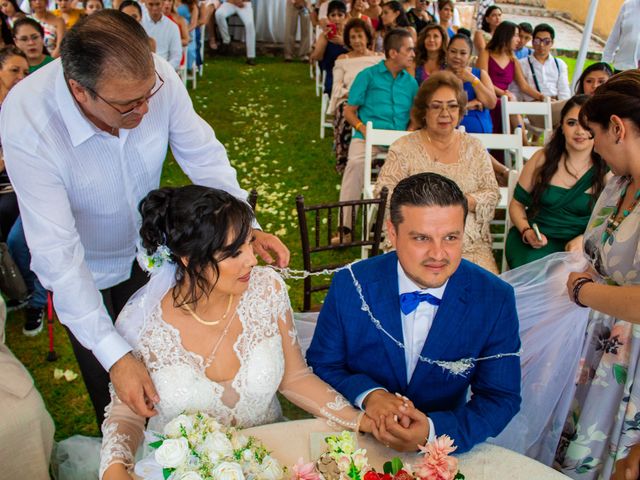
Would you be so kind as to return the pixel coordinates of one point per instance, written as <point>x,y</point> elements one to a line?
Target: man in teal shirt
<point>382,94</point>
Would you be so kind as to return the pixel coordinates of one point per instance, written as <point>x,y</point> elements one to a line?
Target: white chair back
<point>510,143</point>
<point>501,227</point>
<point>542,109</point>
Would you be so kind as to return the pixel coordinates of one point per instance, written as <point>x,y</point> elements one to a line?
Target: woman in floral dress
<point>605,418</point>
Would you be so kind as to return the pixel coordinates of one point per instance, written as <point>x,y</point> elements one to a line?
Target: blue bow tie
<point>410,301</point>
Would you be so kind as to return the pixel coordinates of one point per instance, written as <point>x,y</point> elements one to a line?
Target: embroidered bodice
<point>270,360</point>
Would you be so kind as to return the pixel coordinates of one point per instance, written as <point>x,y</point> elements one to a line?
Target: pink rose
<point>304,471</point>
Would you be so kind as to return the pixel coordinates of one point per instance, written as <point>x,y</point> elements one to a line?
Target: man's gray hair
<point>107,42</point>
<point>426,190</point>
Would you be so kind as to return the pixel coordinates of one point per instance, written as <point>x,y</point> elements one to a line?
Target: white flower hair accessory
<point>151,263</point>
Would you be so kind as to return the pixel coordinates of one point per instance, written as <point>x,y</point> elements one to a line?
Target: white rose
<point>228,471</point>
<point>271,469</point>
<point>172,453</point>
<point>191,476</point>
<point>216,445</point>
<point>247,456</point>
<point>239,441</point>
<point>172,429</point>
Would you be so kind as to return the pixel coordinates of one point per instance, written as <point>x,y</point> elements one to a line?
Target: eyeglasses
<point>34,38</point>
<point>442,107</point>
<point>542,41</point>
<point>138,103</point>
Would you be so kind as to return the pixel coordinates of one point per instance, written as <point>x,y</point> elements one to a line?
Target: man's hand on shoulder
<point>134,385</point>
<point>404,439</point>
<point>266,245</point>
<point>381,403</point>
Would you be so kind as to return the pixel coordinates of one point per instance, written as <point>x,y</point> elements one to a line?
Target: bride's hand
<point>117,471</point>
<point>366,424</point>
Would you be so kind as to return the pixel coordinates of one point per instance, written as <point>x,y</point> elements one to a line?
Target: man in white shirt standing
<point>244,10</point>
<point>165,32</point>
<point>84,141</point>
<point>624,40</point>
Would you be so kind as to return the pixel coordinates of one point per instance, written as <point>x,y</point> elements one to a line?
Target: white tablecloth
<point>270,16</point>
<point>289,441</point>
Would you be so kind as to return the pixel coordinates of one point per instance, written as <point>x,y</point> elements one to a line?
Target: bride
<point>214,330</point>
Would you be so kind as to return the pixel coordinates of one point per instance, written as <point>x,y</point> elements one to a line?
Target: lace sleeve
<point>300,385</point>
<point>122,434</point>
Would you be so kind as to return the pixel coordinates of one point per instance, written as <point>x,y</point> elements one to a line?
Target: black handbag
<point>11,281</point>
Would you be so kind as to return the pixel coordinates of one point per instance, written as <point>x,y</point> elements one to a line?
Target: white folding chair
<point>500,239</point>
<point>510,143</point>
<point>320,75</point>
<point>542,109</point>
<point>182,69</point>
<point>203,31</point>
<point>324,123</point>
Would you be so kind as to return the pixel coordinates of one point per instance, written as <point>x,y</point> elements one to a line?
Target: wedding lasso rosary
<point>458,367</point>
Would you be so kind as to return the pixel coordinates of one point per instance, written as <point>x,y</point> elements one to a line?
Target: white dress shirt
<point>166,33</point>
<point>622,44</point>
<point>415,329</point>
<point>553,78</point>
<point>79,187</point>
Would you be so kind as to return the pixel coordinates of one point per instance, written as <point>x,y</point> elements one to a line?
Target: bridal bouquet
<point>197,447</point>
<point>436,464</point>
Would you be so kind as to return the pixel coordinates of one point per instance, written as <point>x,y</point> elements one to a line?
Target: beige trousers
<point>291,26</point>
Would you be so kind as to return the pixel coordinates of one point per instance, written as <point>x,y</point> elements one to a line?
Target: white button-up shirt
<point>415,329</point>
<point>79,187</point>
<point>553,78</point>
<point>166,33</point>
<point>623,43</point>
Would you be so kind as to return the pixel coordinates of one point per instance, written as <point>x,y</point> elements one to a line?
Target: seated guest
<point>28,36</point>
<point>26,428</point>
<point>357,11</point>
<point>12,12</point>
<point>189,11</point>
<point>524,37</point>
<point>544,72</point>
<point>438,147</point>
<point>556,191</point>
<point>592,77</point>
<point>373,11</point>
<point>134,10</point>
<point>13,68</point>
<point>393,16</point>
<point>433,306</point>
<point>431,51</point>
<point>504,69</point>
<point>53,26</point>
<point>244,10</point>
<point>433,10</point>
<point>419,17</point>
<point>481,97</point>
<point>330,45</point>
<point>169,11</point>
<point>165,33</point>
<point>93,6</point>
<point>297,12</point>
<point>358,38</point>
<point>69,14</point>
<point>490,21</point>
<point>381,94</point>
<point>445,12</point>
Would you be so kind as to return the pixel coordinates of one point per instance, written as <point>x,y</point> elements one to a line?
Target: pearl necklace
<point>209,322</point>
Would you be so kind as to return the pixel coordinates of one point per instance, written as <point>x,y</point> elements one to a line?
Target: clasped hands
<point>394,421</point>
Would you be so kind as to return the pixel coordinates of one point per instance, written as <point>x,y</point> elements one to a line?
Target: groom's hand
<point>134,385</point>
<point>394,435</point>
<point>381,403</point>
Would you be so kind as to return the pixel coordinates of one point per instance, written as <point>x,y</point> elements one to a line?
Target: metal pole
<point>584,44</point>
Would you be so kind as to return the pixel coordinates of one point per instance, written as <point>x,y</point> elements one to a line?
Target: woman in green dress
<point>556,192</point>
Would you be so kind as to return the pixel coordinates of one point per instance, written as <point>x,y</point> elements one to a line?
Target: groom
<point>440,307</point>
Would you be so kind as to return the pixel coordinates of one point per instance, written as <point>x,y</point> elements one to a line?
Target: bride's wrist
<point>116,471</point>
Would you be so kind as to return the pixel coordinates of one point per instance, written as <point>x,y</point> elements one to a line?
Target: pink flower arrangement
<point>437,464</point>
<point>304,471</point>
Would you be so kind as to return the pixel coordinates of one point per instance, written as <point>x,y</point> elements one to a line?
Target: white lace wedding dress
<point>269,356</point>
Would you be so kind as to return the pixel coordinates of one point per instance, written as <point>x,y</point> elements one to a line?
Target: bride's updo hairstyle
<point>200,226</point>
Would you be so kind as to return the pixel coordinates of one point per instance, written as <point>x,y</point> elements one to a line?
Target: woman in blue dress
<point>188,9</point>
<point>476,82</point>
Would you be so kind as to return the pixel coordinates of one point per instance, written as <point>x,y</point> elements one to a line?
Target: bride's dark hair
<point>200,226</point>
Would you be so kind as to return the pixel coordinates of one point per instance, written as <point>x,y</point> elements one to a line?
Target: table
<point>289,441</point>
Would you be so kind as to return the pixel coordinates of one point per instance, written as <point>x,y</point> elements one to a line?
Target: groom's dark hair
<point>426,190</point>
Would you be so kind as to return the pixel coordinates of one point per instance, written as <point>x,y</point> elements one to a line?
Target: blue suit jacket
<point>477,318</point>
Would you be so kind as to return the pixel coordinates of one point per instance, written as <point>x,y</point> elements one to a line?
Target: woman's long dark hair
<point>553,153</point>
<point>32,23</point>
<point>485,24</point>
<point>402,20</point>
<point>203,225</point>
<point>595,67</point>
<point>501,39</point>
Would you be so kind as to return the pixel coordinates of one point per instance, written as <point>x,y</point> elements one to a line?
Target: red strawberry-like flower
<point>386,476</point>
<point>403,475</point>
<point>371,475</point>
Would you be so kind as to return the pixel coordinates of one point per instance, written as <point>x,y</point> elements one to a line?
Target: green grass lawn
<point>268,118</point>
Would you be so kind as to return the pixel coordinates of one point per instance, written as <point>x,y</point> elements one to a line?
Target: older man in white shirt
<point>624,41</point>
<point>244,10</point>
<point>165,32</point>
<point>84,141</point>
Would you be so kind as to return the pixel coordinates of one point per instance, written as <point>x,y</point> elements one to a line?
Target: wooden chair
<point>318,224</point>
<point>252,199</point>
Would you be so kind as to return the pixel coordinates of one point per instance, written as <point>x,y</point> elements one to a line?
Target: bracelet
<point>358,125</point>
<point>475,81</point>
<point>524,240</point>
<point>581,282</point>
<point>358,421</point>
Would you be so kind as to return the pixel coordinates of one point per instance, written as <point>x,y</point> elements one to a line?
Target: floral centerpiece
<point>197,447</point>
